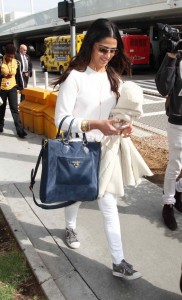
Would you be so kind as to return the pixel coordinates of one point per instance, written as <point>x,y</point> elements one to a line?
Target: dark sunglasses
<point>104,50</point>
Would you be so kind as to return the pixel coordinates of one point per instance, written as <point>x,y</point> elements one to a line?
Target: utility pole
<point>66,11</point>
<point>73,29</point>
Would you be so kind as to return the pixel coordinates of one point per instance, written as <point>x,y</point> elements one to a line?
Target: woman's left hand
<point>126,132</point>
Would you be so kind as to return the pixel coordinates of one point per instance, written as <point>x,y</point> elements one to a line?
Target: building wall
<point>125,13</point>
<point>133,10</point>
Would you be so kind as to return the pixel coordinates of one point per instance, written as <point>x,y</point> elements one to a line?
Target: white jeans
<point>109,210</point>
<point>174,164</point>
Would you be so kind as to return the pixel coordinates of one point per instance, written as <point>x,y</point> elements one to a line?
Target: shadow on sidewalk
<point>89,268</point>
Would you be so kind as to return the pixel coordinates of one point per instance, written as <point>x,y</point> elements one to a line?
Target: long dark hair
<point>10,49</point>
<point>117,66</point>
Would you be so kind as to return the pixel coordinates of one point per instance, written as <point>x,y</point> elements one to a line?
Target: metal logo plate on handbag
<point>75,163</point>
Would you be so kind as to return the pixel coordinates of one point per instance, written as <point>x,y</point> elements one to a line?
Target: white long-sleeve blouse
<point>84,95</point>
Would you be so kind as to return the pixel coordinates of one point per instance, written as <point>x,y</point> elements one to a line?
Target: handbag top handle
<point>60,125</point>
<point>68,133</point>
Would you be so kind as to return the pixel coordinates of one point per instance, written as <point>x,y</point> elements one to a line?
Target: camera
<point>170,38</point>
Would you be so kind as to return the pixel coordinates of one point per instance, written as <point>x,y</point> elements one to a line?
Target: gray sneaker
<point>125,270</point>
<point>71,238</point>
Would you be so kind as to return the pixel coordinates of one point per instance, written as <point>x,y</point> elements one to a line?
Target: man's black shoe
<point>24,132</point>
<point>1,129</point>
<point>178,204</point>
<point>21,133</point>
<point>168,216</point>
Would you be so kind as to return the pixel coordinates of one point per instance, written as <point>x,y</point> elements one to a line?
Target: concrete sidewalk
<point>85,273</point>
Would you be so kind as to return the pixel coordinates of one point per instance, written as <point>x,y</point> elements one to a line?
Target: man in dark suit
<point>25,65</point>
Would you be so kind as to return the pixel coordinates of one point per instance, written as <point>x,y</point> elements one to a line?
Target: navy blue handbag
<point>70,169</point>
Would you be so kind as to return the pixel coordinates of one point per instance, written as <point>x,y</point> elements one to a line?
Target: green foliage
<point>6,292</point>
<point>16,278</point>
<point>13,268</point>
<point>13,272</point>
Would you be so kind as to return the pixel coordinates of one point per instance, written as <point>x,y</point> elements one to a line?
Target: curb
<point>36,264</point>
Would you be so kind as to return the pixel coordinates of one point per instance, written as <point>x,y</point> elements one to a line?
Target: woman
<point>89,89</point>
<point>9,77</point>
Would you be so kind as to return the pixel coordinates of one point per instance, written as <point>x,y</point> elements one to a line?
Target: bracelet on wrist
<point>85,125</point>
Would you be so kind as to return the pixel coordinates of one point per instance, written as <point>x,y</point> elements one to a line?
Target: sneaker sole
<point>135,276</point>
<point>75,245</point>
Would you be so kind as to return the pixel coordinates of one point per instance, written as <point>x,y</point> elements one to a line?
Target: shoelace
<point>71,233</point>
<point>129,265</point>
<point>126,267</point>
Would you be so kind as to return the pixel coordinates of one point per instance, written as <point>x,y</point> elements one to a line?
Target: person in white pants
<point>89,89</point>
<point>108,207</point>
<point>169,83</point>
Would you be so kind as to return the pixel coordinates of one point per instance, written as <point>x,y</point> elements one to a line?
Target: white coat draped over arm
<point>121,164</point>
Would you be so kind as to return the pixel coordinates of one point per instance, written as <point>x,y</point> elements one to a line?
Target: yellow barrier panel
<point>37,95</point>
<point>32,108</point>
<point>50,129</point>
<point>26,110</point>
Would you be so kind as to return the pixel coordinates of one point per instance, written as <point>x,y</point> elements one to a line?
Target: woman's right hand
<point>105,126</point>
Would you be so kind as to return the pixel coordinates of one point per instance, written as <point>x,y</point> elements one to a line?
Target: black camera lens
<point>170,41</point>
<point>167,46</point>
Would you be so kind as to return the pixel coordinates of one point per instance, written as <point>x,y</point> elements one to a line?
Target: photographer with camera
<point>169,83</point>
